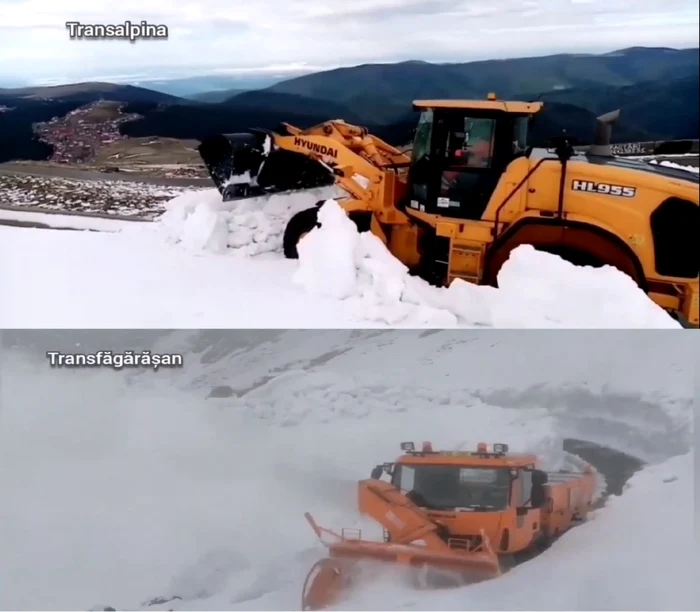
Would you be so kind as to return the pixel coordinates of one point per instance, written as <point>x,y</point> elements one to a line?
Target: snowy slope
<point>123,486</point>
<point>204,264</point>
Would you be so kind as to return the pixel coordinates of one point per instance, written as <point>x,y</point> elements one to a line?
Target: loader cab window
<point>447,487</point>
<point>520,134</point>
<point>420,159</point>
<point>468,175</point>
<point>421,141</point>
<point>470,145</point>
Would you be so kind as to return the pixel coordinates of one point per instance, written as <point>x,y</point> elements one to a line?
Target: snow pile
<point>670,164</point>
<point>200,221</point>
<point>535,289</point>
<point>132,279</point>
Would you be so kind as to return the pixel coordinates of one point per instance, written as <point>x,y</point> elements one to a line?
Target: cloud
<point>216,35</point>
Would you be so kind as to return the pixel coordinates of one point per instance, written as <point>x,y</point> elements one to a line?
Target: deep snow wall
<point>122,485</point>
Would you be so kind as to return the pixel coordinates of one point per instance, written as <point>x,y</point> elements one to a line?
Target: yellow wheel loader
<point>472,189</point>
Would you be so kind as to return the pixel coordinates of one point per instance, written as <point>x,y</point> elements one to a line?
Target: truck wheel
<point>299,225</point>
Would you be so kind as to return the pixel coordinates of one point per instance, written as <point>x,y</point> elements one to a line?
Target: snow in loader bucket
<point>245,165</point>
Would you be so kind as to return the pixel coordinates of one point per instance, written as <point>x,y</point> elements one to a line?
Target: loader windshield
<point>421,140</point>
<point>447,487</point>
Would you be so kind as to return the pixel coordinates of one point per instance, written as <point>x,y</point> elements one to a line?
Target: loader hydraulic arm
<point>349,151</point>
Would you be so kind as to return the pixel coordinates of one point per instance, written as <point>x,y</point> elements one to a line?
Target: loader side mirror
<point>377,472</point>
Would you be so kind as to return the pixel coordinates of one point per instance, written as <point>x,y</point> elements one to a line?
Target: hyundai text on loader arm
<point>472,190</point>
<point>452,518</point>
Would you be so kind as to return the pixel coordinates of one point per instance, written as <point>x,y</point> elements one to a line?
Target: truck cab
<point>505,494</point>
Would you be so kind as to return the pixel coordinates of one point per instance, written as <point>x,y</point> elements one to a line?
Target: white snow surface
<point>670,164</point>
<point>208,264</point>
<point>122,486</point>
<point>67,221</point>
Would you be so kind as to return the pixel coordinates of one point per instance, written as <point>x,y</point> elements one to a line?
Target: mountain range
<point>655,88</point>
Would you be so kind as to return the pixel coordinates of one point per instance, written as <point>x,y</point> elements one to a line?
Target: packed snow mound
<point>337,261</point>
<point>200,221</point>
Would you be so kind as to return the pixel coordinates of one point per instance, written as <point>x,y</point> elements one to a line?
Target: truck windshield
<point>447,487</point>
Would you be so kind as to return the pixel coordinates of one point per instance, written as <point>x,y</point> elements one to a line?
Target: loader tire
<point>299,225</point>
<point>306,220</point>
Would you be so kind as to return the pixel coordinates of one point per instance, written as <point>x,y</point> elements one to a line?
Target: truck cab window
<point>525,488</point>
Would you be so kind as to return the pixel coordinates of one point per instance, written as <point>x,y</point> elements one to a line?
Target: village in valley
<point>77,136</point>
<point>87,143</point>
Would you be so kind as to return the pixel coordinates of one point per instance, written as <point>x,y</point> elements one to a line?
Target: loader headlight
<point>408,447</point>
<point>500,448</point>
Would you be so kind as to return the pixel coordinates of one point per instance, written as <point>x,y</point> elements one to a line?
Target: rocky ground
<point>65,189</point>
<point>70,195</point>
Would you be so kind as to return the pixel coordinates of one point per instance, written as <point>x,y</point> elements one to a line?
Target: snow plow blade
<point>246,165</point>
<point>430,560</point>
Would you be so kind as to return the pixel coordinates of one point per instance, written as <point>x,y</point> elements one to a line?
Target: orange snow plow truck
<point>452,518</point>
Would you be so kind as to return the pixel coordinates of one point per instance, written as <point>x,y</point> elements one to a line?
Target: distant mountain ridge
<point>656,89</point>
<point>89,92</point>
<point>508,78</point>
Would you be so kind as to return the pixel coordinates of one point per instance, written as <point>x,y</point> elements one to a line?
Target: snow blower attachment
<point>247,165</point>
<point>413,541</point>
<point>451,519</point>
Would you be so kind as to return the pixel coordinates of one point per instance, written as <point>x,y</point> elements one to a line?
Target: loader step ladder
<point>465,261</point>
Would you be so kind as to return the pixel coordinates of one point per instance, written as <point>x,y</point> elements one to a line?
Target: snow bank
<point>535,289</point>
<point>200,221</point>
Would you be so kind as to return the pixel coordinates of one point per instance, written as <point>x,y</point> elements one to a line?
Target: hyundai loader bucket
<point>245,165</point>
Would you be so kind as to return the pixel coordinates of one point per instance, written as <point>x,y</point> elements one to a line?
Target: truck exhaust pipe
<point>603,133</point>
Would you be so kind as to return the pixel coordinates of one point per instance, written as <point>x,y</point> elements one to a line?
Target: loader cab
<point>460,150</point>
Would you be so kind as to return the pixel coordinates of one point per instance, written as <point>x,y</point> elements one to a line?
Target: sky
<point>289,37</point>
